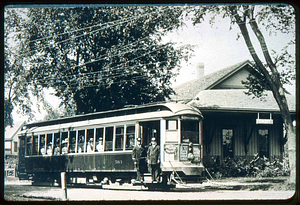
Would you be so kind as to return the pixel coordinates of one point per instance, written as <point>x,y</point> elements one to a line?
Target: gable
<point>234,81</point>
<point>188,91</point>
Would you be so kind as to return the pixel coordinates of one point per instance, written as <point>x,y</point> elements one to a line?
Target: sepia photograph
<point>150,102</point>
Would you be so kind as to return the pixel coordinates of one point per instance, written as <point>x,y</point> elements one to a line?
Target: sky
<point>216,46</point>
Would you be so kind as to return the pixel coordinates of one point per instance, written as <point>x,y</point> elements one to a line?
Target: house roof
<point>236,99</point>
<point>11,132</point>
<point>187,91</point>
<point>199,93</point>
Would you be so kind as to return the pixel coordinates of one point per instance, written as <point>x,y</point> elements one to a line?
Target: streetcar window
<point>190,131</point>
<point>80,142</point>
<point>171,124</point>
<point>109,138</point>
<point>64,142</point>
<point>72,142</point>
<point>130,136</point>
<point>49,144</point>
<point>56,144</point>
<point>35,145</point>
<point>99,140</point>
<point>29,145</point>
<point>119,138</point>
<point>42,144</point>
<point>90,141</point>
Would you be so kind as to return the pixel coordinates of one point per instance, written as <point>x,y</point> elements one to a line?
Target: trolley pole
<point>64,185</point>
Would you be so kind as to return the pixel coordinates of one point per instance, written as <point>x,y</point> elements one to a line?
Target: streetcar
<point>97,146</point>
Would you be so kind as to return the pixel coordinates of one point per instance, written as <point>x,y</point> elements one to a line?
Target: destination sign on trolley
<point>189,117</point>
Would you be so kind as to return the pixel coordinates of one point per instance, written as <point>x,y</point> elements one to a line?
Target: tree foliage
<point>101,58</point>
<point>15,84</point>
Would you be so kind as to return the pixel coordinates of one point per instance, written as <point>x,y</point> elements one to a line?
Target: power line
<point>124,63</point>
<point>88,33</point>
<point>99,59</point>
<point>111,68</point>
<point>89,27</point>
<point>88,77</point>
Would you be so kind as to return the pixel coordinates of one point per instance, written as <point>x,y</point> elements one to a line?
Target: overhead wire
<point>98,59</point>
<point>88,33</point>
<point>111,68</point>
<point>89,27</point>
<point>83,75</point>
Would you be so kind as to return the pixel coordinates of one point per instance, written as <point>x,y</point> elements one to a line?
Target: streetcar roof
<point>168,109</point>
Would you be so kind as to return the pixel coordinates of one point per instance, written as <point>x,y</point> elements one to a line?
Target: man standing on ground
<point>153,156</point>
<point>139,160</point>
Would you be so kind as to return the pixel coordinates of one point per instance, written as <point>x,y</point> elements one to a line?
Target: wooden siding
<point>241,125</point>
<point>234,81</point>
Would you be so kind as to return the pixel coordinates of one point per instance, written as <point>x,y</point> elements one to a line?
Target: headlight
<point>191,156</point>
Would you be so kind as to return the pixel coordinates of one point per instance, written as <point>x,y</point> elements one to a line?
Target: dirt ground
<point>224,189</point>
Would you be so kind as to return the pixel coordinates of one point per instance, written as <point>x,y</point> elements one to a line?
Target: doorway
<point>148,130</point>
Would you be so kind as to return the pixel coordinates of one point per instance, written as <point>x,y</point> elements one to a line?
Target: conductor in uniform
<point>153,156</point>
<point>138,157</point>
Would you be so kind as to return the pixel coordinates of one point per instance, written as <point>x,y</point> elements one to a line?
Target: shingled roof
<point>237,100</point>
<point>187,91</point>
<point>199,93</point>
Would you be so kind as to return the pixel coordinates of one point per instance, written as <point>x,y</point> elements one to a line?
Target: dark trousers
<point>154,170</point>
<point>139,170</point>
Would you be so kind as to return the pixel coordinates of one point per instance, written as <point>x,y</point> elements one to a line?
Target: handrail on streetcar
<point>176,173</point>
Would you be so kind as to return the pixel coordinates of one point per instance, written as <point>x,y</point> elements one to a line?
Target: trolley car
<point>94,146</point>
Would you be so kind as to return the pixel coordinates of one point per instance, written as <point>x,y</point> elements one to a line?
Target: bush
<point>240,167</point>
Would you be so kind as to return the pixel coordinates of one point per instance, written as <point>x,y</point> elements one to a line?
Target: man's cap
<point>153,139</point>
<point>139,139</point>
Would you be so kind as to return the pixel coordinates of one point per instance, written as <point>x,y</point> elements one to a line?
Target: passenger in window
<point>131,141</point>
<point>64,149</point>
<point>138,157</point>
<point>90,146</point>
<point>153,157</point>
<point>56,148</point>
<point>100,147</point>
<point>72,145</point>
<point>43,151</point>
<point>49,149</point>
<point>42,145</point>
<point>80,143</point>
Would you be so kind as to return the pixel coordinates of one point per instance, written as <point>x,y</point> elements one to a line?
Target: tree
<point>15,84</point>
<point>101,58</point>
<point>273,71</point>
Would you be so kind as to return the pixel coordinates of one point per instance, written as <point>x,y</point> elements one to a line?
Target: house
<point>11,149</point>
<point>235,124</point>
<point>11,139</point>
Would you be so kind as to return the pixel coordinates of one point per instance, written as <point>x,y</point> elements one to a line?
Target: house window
<point>263,142</point>
<point>15,146</point>
<point>227,136</point>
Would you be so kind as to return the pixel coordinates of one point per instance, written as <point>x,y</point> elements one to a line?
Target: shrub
<point>240,167</point>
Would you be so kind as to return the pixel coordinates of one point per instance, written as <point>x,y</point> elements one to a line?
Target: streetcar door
<point>21,161</point>
<point>148,130</point>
